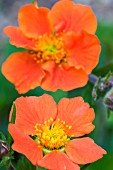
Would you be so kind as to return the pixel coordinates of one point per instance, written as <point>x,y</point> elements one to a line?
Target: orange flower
<point>46,133</point>
<point>61,48</point>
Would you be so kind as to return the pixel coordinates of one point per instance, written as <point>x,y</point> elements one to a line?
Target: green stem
<point>11,167</point>
<point>85,166</point>
<point>33,1</point>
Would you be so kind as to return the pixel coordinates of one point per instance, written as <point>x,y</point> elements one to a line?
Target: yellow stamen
<point>52,135</point>
<point>50,48</point>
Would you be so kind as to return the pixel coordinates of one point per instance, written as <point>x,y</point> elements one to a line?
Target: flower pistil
<point>50,48</point>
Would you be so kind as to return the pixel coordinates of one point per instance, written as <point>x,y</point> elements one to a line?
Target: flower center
<point>50,48</point>
<point>52,135</point>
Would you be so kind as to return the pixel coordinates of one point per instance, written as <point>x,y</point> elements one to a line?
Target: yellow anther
<point>51,119</point>
<point>52,136</point>
<point>40,130</point>
<point>50,48</point>
<point>69,127</point>
<point>35,126</point>
<point>63,122</point>
<point>45,122</point>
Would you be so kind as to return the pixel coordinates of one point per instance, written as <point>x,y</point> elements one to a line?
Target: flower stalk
<point>33,1</point>
<point>11,167</point>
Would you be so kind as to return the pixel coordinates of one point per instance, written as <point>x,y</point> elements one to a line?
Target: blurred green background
<point>103,133</point>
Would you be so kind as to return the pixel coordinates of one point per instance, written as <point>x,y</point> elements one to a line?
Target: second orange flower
<point>50,135</point>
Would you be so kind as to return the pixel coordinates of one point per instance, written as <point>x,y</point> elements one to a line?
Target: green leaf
<point>2,137</point>
<point>13,114</point>
<point>5,161</point>
<point>9,138</point>
<point>24,164</point>
<point>106,163</point>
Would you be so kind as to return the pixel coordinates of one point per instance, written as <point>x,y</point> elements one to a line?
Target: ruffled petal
<point>33,110</point>
<point>25,145</point>
<point>84,151</point>
<point>75,17</point>
<point>21,70</point>
<point>17,38</point>
<point>76,113</point>
<point>57,160</point>
<point>63,77</point>
<point>33,21</point>
<point>84,51</point>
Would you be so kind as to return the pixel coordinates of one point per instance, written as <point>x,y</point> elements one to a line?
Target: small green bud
<point>3,148</point>
<point>108,99</point>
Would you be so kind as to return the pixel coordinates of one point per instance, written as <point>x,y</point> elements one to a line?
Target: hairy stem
<point>93,79</point>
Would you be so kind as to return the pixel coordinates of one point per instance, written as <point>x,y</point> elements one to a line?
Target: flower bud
<point>108,99</point>
<point>3,148</point>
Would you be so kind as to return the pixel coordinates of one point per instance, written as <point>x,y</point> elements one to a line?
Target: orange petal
<point>75,17</point>
<point>84,151</point>
<point>76,113</point>
<point>17,38</point>
<point>33,21</point>
<point>84,51</point>
<point>57,160</point>
<point>21,70</point>
<point>63,77</point>
<point>33,110</point>
<point>25,145</point>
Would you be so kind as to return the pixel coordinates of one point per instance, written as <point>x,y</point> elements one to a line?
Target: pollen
<point>52,135</point>
<point>50,48</point>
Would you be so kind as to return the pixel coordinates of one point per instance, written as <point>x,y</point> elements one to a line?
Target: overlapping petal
<point>62,77</point>
<point>57,160</point>
<point>33,110</point>
<point>84,50</point>
<point>33,21</point>
<point>75,17</point>
<point>84,151</point>
<point>22,71</point>
<point>25,145</point>
<point>76,113</point>
<point>17,38</point>
<point>37,26</point>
